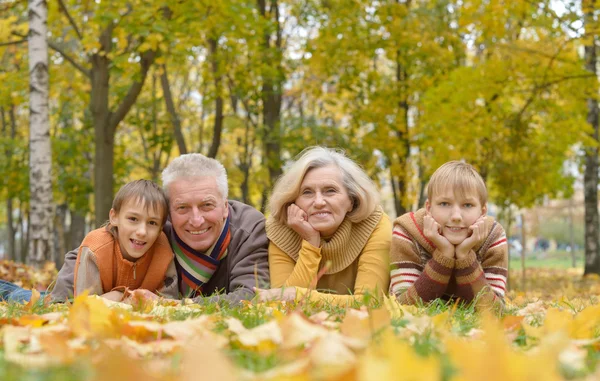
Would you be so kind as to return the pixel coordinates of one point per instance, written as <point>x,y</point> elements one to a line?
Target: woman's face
<point>324,199</point>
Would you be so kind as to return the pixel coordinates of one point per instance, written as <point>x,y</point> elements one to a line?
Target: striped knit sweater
<point>420,272</point>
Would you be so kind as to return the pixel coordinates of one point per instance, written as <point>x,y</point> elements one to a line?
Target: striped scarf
<point>196,268</point>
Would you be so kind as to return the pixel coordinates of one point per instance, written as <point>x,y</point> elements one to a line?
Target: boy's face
<point>138,227</point>
<point>455,214</point>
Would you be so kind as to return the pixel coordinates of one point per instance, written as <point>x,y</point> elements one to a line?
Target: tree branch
<point>164,81</point>
<point>13,42</point>
<point>128,101</point>
<point>63,8</point>
<point>69,59</point>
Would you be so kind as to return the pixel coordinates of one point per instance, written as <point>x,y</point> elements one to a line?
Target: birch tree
<point>40,156</point>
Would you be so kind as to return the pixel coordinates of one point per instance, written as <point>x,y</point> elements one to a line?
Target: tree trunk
<point>590,178</point>
<point>61,234</point>
<point>523,251</point>
<point>572,233</point>
<point>10,228</point>
<point>40,154</point>
<point>106,121</point>
<point>77,231</point>
<point>166,87</point>
<point>218,125</point>
<point>99,107</point>
<point>271,93</point>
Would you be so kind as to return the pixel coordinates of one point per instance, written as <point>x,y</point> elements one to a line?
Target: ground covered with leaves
<point>550,331</point>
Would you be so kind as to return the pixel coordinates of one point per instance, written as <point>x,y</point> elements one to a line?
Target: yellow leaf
<point>90,317</point>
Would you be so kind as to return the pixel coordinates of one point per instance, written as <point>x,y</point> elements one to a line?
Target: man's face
<point>198,211</point>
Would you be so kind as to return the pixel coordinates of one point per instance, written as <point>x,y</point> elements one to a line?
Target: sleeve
<point>87,274</point>
<point>250,267</point>
<point>373,271</point>
<point>289,273</point>
<point>63,288</point>
<point>410,280</point>
<point>486,282</point>
<point>170,287</point>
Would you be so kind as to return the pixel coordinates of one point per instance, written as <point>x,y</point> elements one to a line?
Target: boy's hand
<point>297,220</point>
<point>476,236</point>
<point>431,230</point>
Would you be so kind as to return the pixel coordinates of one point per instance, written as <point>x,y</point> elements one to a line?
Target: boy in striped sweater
<point>450,249</point>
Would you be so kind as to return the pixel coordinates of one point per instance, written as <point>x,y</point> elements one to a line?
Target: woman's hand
<point>115,296</point>
<point>477,235</point>
<point>284,294</point>
<point>431,230</point>
<point>297,220</point>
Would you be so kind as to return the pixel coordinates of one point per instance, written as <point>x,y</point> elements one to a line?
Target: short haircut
<point>361,189</point>
<point>195,165</point>
<point>459,176</point>
<point>146,193</point>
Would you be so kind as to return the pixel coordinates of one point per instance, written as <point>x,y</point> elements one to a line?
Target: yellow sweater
<point>351,273</point>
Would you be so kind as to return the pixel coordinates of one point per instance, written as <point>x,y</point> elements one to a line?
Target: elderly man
<point>220,246</point>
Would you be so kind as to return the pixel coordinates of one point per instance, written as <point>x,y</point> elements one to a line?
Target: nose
<point>197,218</point>
<point>141,230</point>
<point>319,199</point>
<point>456,215</point>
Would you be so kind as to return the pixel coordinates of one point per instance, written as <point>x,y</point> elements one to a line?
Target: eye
<point>153,223</point>
<point>133,219</point>
<point>468,205</point>
<point>209,206</point>
<point>331,190</point>
<point>444,203</point>
<point>307,191</point>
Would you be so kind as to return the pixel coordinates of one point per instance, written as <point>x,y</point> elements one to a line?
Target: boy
<point>131,251</point>
<point>450,248</point>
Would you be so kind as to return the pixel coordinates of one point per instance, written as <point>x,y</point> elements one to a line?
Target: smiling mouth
<point>137,243</point>
<point>321,214</point>
<point>198,232</point>
<point>454,229</point>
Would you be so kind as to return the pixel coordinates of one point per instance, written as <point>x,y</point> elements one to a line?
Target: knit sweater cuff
<point>467,261</point>
<point>308,247</point>
<point>443,260</point>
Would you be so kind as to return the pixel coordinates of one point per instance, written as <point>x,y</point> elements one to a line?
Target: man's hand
<point>477,235</point>
<point>284,294</point>
<point>431,230</point>
<point>297,220</point>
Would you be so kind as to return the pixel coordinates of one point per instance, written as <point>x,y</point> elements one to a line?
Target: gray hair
<point>361,189</point>
<point>195,165</point>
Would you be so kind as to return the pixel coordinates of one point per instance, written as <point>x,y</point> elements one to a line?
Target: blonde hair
<point>459,176</point>
<point>145,193</point>
<point>361,189</point>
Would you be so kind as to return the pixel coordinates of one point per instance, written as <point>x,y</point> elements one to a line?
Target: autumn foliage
<point>550,333</point>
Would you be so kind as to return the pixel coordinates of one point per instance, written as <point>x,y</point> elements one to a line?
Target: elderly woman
<point>329,238</point>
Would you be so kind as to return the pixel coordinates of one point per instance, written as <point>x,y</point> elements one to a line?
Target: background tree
<point>40,154</point>
<point>592,230</point>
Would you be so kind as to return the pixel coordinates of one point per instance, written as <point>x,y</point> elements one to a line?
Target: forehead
<point>140,206</point>
<point>194,189</point>
<point>329,174</point>
<point>456,195</point>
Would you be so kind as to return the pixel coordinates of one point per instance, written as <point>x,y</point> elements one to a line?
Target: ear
<point>226,214</point>
<point>113,217</point>
<point>484,209</point>
<point>427,205</point>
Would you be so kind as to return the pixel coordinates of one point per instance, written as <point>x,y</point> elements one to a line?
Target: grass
<point>550,259</point>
